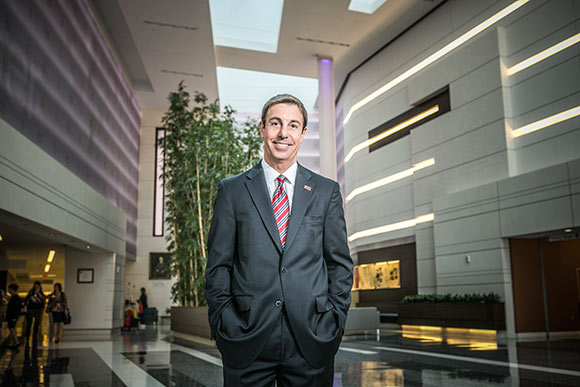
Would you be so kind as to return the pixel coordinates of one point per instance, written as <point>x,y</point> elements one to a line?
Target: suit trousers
<point>280,362</point>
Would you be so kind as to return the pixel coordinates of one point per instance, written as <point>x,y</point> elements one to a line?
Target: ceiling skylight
<point>247,91</point>
<point>249,24</point>
<point>365,6</point>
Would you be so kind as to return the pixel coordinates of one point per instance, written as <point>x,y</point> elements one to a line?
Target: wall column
<point>327,117</point>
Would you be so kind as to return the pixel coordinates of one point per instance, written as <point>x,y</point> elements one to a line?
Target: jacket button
<point>284,270</point>
<point>278,303</point>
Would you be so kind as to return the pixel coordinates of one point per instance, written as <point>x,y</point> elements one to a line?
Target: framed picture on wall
<point>85,276</point>
<point>159,266</point>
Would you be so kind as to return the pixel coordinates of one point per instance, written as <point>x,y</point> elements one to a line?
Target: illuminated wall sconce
<point>390,179</point>
<point>429,108</point>
<point>47,268</point>
<point>50,257</point>
<point>544,54</point>
<point>435,56</point>
<point>545,122</point>
<point>391,131</point>
<point>391,227</point>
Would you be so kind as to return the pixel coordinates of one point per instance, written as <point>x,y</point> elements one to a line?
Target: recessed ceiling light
<point>312,40</point>
<point>170,25</point>
<point>249,25</point>
<point>88,246</point>
<point>568,230</point>
<point>365,6</point>
<point>182,73</point>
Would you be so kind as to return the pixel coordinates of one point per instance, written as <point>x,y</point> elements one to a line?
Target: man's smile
<point>282,145</point>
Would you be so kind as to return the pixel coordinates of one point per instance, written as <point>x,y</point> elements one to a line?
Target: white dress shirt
<point>271,175</point>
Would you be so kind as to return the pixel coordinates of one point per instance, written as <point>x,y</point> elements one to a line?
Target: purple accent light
<point>61,88</point>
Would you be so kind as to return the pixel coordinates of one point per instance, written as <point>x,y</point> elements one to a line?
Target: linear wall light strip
<point>548,121</point>
<point>390,179</point>
<point>435,56</point>
<point>388,132</point>
<point>391,227</point>
<point>50,257</point>
<point>47,268</point>
<point>544,54</point>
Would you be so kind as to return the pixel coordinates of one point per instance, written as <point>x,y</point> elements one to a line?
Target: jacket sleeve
<point>221,250</point>
<point>337,256</point>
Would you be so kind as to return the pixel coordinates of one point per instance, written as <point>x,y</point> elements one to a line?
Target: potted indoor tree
<point>201,146</point>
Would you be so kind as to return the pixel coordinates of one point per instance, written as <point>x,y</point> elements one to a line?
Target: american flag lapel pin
<point>307,188</point>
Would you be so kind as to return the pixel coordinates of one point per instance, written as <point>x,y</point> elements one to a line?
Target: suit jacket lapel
<point>300,202</point>
<point>256,185</point>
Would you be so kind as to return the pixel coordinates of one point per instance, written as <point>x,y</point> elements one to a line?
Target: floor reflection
<point>473,339</point>
<point>368,373</point>
<point>32,366</point>
<point>414,356</point>
<point>177,368</point>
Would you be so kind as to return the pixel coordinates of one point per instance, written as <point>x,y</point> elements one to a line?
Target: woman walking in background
<point>34,306</point>
<point>57,307</point>
<point>12,313</point>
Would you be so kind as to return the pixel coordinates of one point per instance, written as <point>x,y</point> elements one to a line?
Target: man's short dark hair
<point>285,98</point>
<point>13,287</point>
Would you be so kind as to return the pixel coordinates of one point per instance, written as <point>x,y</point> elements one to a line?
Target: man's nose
<point>283,132</point>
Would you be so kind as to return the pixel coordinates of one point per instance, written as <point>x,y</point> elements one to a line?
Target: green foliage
<point>201,147</point>
<point>476,298</point>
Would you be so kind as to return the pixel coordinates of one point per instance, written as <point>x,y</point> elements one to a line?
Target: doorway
<point>561,274</point>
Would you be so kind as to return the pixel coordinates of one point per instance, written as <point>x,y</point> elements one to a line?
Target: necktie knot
<point>280,179</point>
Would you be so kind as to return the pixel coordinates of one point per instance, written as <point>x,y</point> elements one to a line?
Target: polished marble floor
<point>153,357</point>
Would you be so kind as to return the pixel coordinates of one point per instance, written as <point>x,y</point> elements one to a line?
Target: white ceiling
<point>160,43</point>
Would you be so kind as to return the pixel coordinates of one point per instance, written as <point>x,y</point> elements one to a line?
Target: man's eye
<point>275,123</point>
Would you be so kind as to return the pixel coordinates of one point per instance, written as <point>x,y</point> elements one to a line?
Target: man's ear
<point>261,129</point>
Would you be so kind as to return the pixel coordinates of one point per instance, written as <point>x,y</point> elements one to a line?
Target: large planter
<point>457,315</point>
<point>190,320</point>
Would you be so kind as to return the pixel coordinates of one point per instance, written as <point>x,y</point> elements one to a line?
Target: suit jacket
<point>250,278</point>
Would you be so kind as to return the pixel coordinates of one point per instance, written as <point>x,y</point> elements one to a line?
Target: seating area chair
<point>149,316</point>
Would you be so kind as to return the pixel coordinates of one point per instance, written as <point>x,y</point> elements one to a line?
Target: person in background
<point>143,300</point>
<point>34,306</point>
<point>57,307</point>
<point>13,313</point>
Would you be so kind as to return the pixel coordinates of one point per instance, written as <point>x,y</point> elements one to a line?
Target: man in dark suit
<point>279,271</point>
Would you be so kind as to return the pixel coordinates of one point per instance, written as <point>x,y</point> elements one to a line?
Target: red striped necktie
<point>281,207</point>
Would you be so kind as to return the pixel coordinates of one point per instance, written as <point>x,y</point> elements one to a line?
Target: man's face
<point>282,133</point>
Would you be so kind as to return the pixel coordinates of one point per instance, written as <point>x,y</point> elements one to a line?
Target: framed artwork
<point>159,266</point>
<point>85,276</point>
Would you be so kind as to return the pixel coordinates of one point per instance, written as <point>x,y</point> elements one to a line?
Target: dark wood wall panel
<point>561,260</point>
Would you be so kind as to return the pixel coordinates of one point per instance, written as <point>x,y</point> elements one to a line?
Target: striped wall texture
<point>61,88</point>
